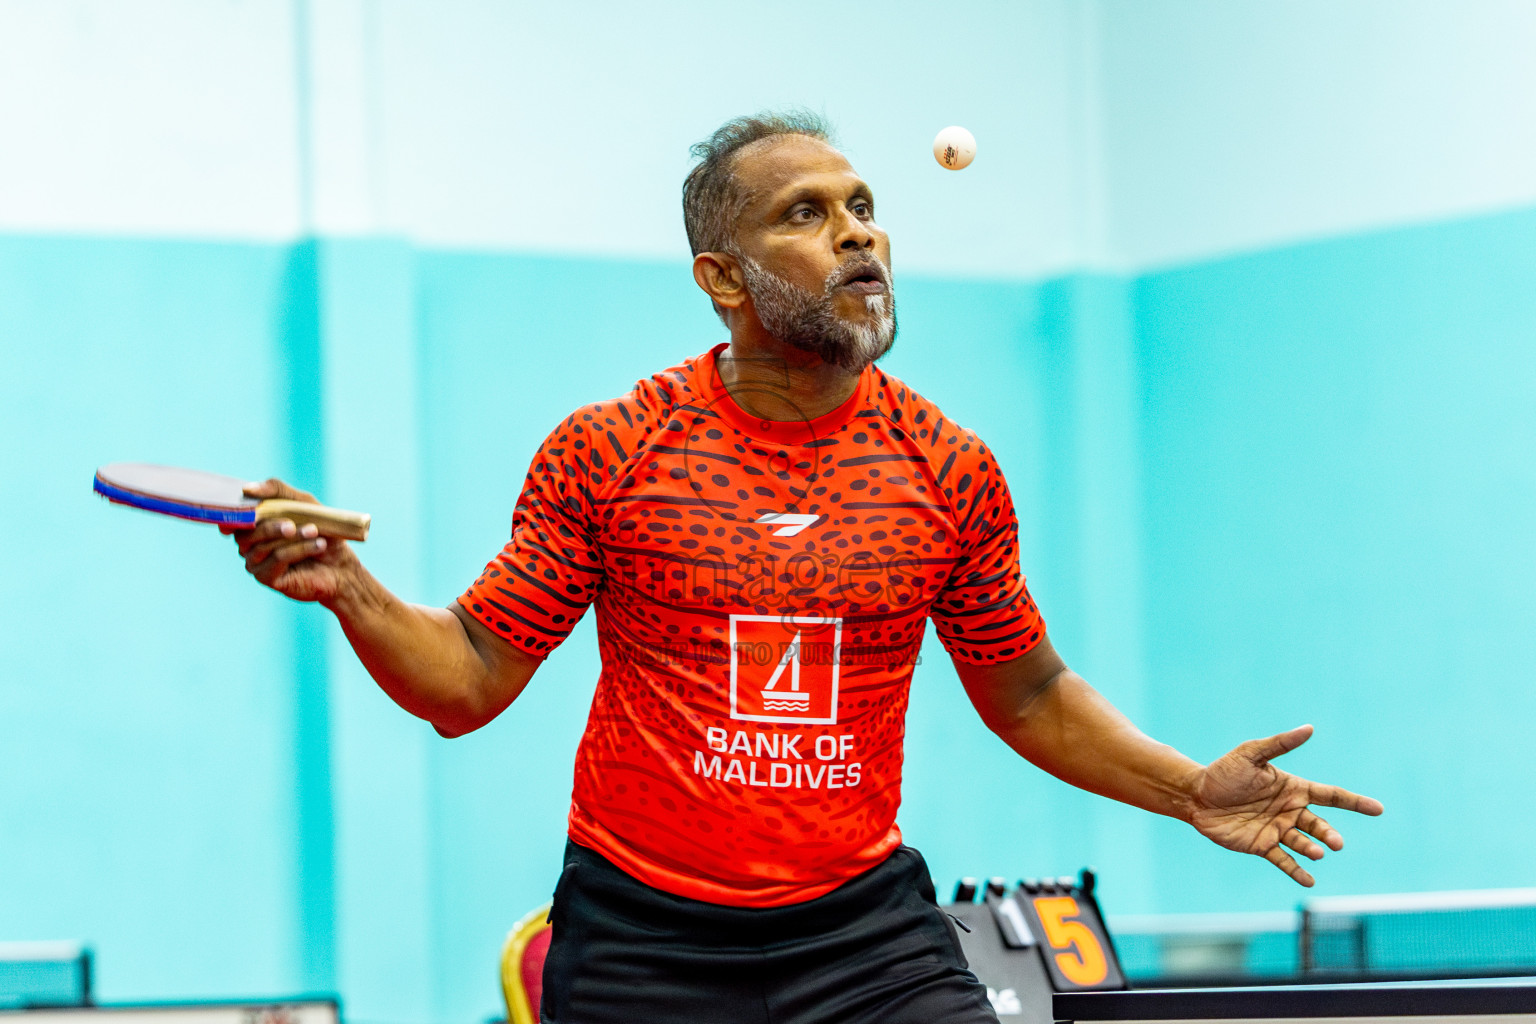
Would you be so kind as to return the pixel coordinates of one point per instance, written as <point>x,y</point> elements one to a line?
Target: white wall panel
<point>567,127</point>
<point>555,127</point>
<point>1112,133</point>
<point>1242,124</point>
<point>158,117</point>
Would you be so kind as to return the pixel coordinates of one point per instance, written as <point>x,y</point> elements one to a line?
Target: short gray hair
<point>711,198</point>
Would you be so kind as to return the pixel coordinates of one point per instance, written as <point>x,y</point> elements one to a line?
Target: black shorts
<point>876,949</point>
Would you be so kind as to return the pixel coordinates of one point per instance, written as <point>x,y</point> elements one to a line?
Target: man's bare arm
<point>1054,719</point>
<point>439,664</point>
<point>1051,716</point>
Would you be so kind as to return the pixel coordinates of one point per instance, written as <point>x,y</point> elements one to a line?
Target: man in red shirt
<point>765,529</point>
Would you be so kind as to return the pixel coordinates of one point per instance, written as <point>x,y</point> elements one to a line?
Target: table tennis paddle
<point>211,498</point>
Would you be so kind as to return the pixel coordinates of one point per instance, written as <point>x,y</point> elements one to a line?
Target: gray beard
<point>807,321</point>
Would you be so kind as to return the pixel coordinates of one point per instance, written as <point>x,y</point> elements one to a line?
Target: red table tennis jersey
<point>762,589</point>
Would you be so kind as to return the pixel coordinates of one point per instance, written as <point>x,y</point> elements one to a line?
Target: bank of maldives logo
<point>784,668</point>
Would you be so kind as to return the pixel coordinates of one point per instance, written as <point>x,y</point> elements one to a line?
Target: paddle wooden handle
<point>333,522</point>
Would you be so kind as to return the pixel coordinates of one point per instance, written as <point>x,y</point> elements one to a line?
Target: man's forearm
<point>438,664</point>
<point>422,657</point>
<point>1069,729</point>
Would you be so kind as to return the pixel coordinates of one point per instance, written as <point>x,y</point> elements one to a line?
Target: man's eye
<point>805,213</point>
<point>863,210</point>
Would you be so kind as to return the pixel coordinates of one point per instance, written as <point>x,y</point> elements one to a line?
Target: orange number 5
<point>1083,962</point>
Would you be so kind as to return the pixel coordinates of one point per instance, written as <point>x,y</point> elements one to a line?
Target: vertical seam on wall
<point>302,120</point>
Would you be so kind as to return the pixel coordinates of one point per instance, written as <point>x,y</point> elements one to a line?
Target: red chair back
<point>522,966</point>
<point>532,967</point>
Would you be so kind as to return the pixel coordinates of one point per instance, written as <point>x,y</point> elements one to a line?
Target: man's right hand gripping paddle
<point>293,560</point>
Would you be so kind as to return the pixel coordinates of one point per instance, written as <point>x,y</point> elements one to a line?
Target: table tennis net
<point>1440,933</point>
<point>1359,938</point>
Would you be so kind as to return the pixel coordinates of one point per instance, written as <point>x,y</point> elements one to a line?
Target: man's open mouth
<point>863,281</point>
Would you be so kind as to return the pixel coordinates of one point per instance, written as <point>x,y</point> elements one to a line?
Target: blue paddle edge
<point>166,507</point>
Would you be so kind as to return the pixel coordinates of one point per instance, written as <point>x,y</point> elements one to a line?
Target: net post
<point>1304,939</point>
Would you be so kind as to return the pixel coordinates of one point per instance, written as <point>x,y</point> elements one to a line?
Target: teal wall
<point>1291,486</point>
<point>148,793</point>
<point>1340,528</point>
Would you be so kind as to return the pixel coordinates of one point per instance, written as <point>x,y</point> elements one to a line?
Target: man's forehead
<point>783,163</point>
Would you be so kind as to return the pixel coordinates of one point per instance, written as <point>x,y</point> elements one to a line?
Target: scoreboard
<point>1043,937</point>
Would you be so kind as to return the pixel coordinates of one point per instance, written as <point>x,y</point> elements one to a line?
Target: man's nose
<point>853,233</point>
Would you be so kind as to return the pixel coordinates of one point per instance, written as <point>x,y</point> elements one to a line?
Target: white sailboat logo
<point>792,699</point>
<point>802,689</point>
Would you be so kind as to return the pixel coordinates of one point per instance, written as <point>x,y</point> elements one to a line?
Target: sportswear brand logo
<point>788,523</point>
<point>784,668</point>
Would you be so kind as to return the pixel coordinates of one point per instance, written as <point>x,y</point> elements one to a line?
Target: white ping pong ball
<point>954,148</point>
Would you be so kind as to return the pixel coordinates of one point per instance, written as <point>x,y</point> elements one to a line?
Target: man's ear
<point>719,274</point>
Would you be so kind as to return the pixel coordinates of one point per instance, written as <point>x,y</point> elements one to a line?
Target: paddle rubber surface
<point>173,491</point>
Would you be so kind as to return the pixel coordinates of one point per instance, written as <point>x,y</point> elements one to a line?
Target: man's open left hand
<point>1245,803</point>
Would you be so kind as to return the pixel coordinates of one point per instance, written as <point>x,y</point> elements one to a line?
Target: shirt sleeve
<point>538,587</point>
<point>984,614</point>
